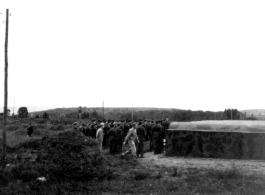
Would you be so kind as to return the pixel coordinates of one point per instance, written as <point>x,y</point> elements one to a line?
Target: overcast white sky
<point>198,55</point>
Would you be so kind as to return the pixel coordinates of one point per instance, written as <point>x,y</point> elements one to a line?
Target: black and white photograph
<point>116,97</point>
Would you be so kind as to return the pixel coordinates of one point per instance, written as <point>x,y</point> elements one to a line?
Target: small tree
<point>95,114</point>
<point>23,112</point>
<point>85,115</point>
<point>37,116</point>
<point>235,114</point>
<point>45,115</point>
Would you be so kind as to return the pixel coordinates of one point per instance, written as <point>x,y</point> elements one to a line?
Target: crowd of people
<point>112,135</point>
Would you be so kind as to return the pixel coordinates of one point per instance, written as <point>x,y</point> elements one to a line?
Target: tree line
<point>127,114</point>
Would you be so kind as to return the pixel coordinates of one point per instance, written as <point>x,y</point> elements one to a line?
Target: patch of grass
<point>159,175</point>
<point>227,174</point>
<point>139,174</point>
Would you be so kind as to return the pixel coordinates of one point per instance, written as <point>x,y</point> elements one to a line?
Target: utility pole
<point>103,110</point>
<point>132,111</point>
<point>231,114</point>
<point>5,94</point>
<point>14,109</point>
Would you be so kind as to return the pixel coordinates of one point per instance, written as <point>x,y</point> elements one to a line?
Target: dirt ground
<point>246,166</point>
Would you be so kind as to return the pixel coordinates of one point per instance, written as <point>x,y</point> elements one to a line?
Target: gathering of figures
<point>113,135</point>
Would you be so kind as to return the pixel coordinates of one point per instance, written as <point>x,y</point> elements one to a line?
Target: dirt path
<point>247,166</point>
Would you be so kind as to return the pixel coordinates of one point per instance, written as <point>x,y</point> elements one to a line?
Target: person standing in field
<point>141,136</point>
<point>119,139</point>
<point>94,128</point>
<point>132,138</point>
<point>105,137</point>
<point>157,138</point>
<point>30,130</point>
<point>112,139</point>
<point>100,135</point>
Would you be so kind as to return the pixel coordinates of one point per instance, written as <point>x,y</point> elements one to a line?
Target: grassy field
<point>119,176</point>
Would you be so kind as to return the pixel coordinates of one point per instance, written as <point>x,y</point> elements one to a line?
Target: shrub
<point>66,156</point>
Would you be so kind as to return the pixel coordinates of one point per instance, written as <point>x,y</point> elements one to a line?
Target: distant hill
<point>99,109</point>
<point>109,112</point>
<point>257,113</point>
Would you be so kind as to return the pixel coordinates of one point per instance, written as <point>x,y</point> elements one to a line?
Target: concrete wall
<point>215,144</point>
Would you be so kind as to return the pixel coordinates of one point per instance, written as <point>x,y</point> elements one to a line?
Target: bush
<point>66,156</point>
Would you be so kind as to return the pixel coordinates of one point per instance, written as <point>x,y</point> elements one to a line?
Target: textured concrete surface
<point>217,139</point>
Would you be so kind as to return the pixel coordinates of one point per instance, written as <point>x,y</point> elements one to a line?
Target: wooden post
<point>132,111</point>
<point>103,110</point>
<point>5,94</point>
<point>14,109</point>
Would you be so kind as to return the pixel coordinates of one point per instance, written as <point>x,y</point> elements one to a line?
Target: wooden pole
<point>14,109</point>
<point>5,94</point>
<point>103,109</point>
<point>132,111</point>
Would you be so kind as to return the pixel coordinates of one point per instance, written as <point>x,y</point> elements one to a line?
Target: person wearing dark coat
<point>126,128</point>
<point>165,125</point>
<point>30,130</point>
<point>86,130</point>
<point>119,139</point>
<point>94,129</point>
<point>106,138</point>
<point>157,138</point>
<point>150,132</point>
<point>112,140</point>
<point>141,136</point>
